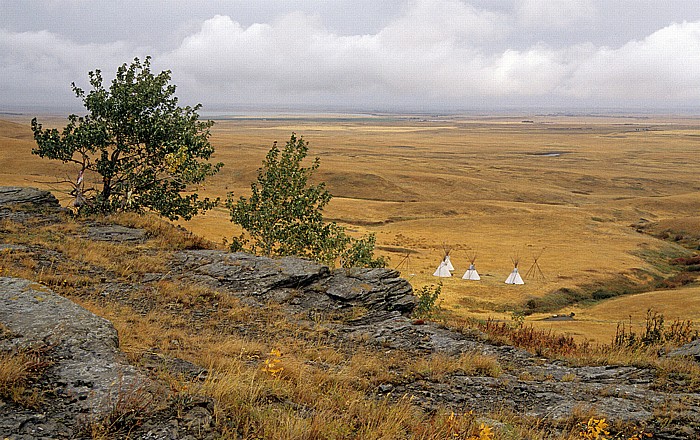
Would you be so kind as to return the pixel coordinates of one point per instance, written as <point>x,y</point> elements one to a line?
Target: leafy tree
<point>284,214</point>
<point>143,148</point>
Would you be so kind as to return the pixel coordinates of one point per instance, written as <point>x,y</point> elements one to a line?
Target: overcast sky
<point>420,55</point>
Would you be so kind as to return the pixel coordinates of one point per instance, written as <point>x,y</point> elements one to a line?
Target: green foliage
<point>428,304</point>
<point>284,214</point>
<point>360,253</point>
<point>142,148</point>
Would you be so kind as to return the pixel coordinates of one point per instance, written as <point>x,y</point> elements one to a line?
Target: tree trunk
<point>106,188</point>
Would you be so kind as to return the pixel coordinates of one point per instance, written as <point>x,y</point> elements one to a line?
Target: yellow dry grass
<point>599,322</point>
<point>566,187</point>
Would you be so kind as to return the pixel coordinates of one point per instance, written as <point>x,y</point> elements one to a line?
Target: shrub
<point>687,261</point>
<point>678,280</point>
<point>427,305</point>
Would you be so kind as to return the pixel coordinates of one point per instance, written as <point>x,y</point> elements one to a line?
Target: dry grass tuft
<point>121,259</point>
<point>17,372</point>
<point>161,233</point>
<point>126,411</point>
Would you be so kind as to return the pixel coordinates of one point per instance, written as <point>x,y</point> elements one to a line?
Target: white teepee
<point>514,277</point>
<point>448,263</point>
<point>442,270</point>
<point>471,273</point>
<point>446,257</point>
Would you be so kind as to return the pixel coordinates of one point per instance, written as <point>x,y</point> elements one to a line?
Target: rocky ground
<point>86,374</point>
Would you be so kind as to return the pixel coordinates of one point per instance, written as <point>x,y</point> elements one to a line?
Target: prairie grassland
<point>568,188</point>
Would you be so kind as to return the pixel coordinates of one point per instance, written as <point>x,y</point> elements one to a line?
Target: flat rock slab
<point>301,284</point>
<point>253,274</point>
<point>15,195</point>
<point>32,201</point>
<point>86,348</point>
<point>116,233</point>
<point>375,289</point>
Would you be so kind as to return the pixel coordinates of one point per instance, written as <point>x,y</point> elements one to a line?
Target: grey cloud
<point>663,68</point>
<point>39,67</point>
<point>421,54</point>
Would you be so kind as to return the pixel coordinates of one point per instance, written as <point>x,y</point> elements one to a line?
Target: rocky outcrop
<point>375,289</point>
<point>86,364</point>
<point>21,204</point>
<point>302,285</point>
<point>691,349</point>
<point>244,272</point>
<point>15,195</point>
<point>528,384</point>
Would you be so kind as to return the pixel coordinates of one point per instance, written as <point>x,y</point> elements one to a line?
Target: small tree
<point>428,304</point>
<point>143,147</point>
<point>284,214</point>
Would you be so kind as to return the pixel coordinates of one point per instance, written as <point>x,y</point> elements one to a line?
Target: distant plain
<point>572,190</point>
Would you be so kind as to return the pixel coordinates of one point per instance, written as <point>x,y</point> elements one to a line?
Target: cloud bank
<point>433,55</point>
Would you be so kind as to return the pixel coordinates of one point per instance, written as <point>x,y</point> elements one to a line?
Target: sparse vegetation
<point>540,342</point>
<point>319,390</point>
<point>161,234</point>
<point>627,347</point>
<point>655,333</point>
<point>380,187</point>
<point>127,411</point>
<point>289,380</point>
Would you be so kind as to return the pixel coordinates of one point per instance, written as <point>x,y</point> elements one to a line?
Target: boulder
<point>374,289</point>
<point>31,200</point>
<point>85,347</point>
<point>303,284</point>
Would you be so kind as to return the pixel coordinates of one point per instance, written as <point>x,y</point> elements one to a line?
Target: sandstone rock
<point>375,289</point>
<point>301,283</point>
<point>31,199</point>
<point>256,275</point>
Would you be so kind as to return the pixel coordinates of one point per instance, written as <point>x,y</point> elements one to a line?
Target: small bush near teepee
<point>428,304</point>
<point>284,214</point>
